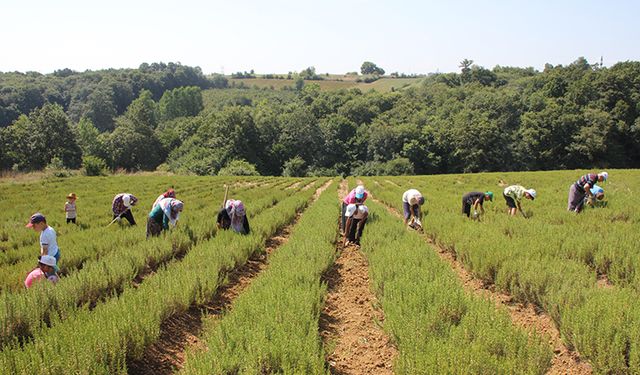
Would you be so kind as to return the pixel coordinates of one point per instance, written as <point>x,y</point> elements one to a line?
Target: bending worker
<point>513,195</point>
<point>357,196</point>
<point>475,199</point>
<point>167,194</point>
<point>582,188</point>
<point>121,207</point>
<point>356,217</point>
<point>165,213</point>
<point>412,199</point>
<point>46,270</point>
<point>233,216</point>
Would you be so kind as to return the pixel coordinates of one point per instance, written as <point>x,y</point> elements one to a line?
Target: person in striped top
<point>121,207</point>
<point>582,188</point>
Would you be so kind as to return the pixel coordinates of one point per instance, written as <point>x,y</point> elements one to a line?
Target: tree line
<point>501,119</point>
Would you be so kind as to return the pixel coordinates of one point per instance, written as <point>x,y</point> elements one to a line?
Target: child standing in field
<point>70,208</point>
<point>48,237</point>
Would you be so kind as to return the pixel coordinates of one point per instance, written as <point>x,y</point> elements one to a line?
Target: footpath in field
<point>182,330</point>
<point>350,322</point>
<point>565,361</point>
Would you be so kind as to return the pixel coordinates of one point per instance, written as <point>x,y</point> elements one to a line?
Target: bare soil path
<point>180,331</point>
<point>527,316</point>
<point>351,320</point>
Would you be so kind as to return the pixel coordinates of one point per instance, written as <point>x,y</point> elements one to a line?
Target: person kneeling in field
<point>475,199</point>
<point>121,207</point>
<point>513,195</point>
<point>598,197</point>
<point>165,213</point>
<point>46,270</point>
<point>412,199</point>
<point>233,216</point>
<point>356,215</point>
<point>582,188</point>
<point>167,194</point>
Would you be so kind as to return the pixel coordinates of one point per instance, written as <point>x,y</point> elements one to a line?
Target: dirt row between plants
<point>350,322</point>
<point>527,316</point>
<point>182,331</point>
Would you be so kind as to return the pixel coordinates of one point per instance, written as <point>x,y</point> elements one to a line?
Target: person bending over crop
<point>46,270</point>
<point>582,188</point>
<point>121,207</point>
<point>475,199</point>
<point>356,215</point>
<point>48,237</point>
<point>357,196</point>
<point>70,208</point>
<point>598,197</point>
<point>233,216</point>
<point>513,195</point>
<point>412,199</point>
<point>167,194</point>
<point>165,213</point>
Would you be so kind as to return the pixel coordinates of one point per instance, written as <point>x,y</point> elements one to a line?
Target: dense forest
<point>173,118</point>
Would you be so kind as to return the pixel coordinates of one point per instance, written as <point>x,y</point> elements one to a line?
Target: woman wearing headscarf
<point>167,194</point>
<point>166,213</point>
<point>233,216</point>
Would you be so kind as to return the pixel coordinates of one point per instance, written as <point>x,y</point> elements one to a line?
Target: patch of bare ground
<point>351,320</point>
<point>527,316</point>
<point>181,331</point>
<point>293,186</point>
<point>391,183</point>
<point>603,281</point>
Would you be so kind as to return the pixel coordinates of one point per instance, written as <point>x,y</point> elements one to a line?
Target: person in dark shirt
<point>475,199</point>
<point>233,216</point>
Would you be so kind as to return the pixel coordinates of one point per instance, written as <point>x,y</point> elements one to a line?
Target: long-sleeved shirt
<point>118,206</point>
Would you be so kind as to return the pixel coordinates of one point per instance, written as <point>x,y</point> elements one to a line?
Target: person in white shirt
<point>412,199</point>
<point>356,215</point>
<point>48,238</point>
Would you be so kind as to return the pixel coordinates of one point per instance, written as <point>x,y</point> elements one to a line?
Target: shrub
<point>94,166</point>
<point>294,167</point>
<point>238,168</point>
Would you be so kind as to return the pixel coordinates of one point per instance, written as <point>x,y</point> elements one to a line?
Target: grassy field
<point>117,288</point>
<point>331,83</point>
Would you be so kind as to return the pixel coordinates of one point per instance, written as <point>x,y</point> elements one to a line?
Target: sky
<point>334,36</point>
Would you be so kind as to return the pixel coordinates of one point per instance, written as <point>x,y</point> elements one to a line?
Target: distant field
<point>382,85</point>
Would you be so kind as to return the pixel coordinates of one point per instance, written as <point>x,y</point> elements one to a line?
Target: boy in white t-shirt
<point>70,208</point>
<point>48,238</point>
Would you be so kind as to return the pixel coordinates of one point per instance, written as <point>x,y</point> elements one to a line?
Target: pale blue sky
<point>334,36</point>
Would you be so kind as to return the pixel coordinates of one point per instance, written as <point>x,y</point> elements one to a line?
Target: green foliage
<point>133,146</point>
<point>499,119</point>
<point>294,167</point>
<point>94,166</point>
<point>238,168</point>
<point>180,102</point>
<point>33,141</point>
<point>370,68</point>
<point>143,111</point>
